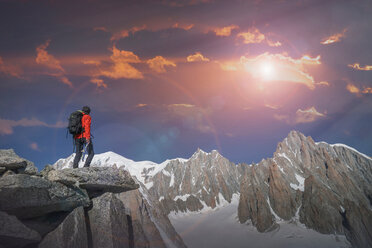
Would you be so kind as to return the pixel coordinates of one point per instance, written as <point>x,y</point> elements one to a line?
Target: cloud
<point>191,116</point>
<point>100,29</point>
<point>98,82</point>
<point>253,35</point>
<point>34,146</point>
<point>49,61</point>
<point>225,31</point>
<point>358,67</point>
<point>6,126</point>
<point>196,57</point>
<point>334,38</point>
<point>281,117</point>
<point>10,69</point>
<point>307,115</point>
<point>126,32</point>
<point>280,67</point>
<point>121,67</point>
<point>273,44</point>
<point>272,106</point>
<point>159,63</point>
<point>228,65</point>
<point>352,88</point>
<point>355,90</point>
<point>325,83</point>
<point>183,26</point>
<point>141,105</point>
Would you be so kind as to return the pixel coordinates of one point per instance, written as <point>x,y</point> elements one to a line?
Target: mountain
<point>305,186</point>
<point>326,187</point>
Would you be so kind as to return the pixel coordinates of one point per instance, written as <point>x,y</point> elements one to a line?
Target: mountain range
<point>315,185</point>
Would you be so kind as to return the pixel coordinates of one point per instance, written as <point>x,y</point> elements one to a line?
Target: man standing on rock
<point>84,138</point>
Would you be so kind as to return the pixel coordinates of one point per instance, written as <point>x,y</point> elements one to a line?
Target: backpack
<point>74,123</point>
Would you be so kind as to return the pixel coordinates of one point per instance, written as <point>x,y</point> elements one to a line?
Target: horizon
<point>163,78</point>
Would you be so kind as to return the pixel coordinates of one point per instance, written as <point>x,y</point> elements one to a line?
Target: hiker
<point>83,140</point>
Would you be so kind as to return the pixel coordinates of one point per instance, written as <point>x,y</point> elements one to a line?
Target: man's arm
<point>87,123</point>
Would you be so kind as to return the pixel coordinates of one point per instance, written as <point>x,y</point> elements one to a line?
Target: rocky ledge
<point>55,208</point>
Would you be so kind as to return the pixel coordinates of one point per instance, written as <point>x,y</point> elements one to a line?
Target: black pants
<point>80,144</point>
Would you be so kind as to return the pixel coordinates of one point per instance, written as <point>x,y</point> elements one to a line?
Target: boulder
<point>15,234</point>
<point>10,160</point>
<point>30,196</point>
<point>2,169</point>
<point>71,232</point>
<point>96,180</point>
<point>44,172</point>
<point>30,169</point>
<point>110,224</point>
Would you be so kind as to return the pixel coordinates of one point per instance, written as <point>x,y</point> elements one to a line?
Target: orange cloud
<point>307,115</point>
<point>98,82</point>
<point>49,61</point>
<point>253,35</point>
<point>228,65</point>
<point>355,90</point>
<point>121,65</point>
<point>367,90</point>
<point>334,38</point>
<point>183,26</point>
<point>352,88</point>
<point>6,126</point>
<point>225,31</point>
<point>196,57</point>
<point>358,67</point>
<point>279,67</point>
<point>159,63</point>
<point>10,69</point>
<point>141,105</point>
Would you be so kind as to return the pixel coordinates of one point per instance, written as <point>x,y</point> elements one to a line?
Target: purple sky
<point>165,77</point>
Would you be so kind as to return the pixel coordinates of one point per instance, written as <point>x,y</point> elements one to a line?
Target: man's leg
<point>79,147</point>
<point>90,154</point>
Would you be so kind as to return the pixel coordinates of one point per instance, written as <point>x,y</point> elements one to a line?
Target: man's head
<point>86,110</point>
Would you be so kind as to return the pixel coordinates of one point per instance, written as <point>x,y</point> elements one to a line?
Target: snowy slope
<point>142,170</point>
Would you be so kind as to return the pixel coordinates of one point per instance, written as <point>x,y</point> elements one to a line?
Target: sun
<point>267,70</point>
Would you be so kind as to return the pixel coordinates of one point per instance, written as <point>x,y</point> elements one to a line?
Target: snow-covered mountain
<point>327,188</point>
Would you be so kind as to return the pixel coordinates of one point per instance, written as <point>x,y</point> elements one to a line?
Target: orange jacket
<point>85,122</point>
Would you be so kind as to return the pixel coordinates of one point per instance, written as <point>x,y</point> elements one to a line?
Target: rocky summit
<point>85,207</point>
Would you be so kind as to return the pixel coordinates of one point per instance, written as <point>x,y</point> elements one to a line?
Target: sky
<point>166,77</point>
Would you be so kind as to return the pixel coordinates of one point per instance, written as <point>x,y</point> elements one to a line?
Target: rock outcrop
<point>83,208</point>
<point>70,233</point>
<point>30,196</point>
<point>13,233</point>
<point>95,180</point>
<point>9,160</point>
